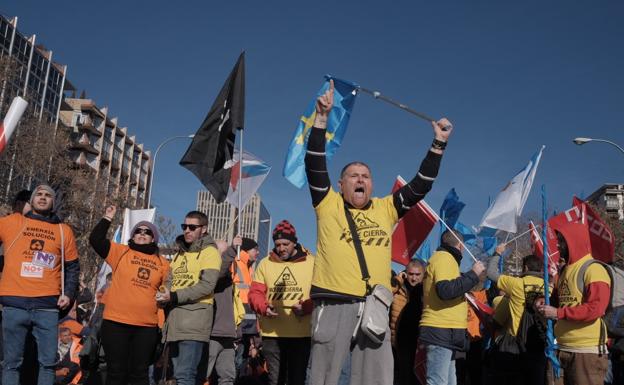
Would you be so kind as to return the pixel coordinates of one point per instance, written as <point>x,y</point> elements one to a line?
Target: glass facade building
<point>255,220</point>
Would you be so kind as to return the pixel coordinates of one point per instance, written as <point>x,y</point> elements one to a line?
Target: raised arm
<point>97,238</point>
<point>315,160</point>
<point>419,186</point>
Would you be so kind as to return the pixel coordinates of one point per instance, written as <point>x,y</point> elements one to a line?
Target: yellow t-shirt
<point>516,288</point>
<point>575,334</point>
<point>337,268</point>
<point>438,313</point>
<point>186,269</point>
<point>501,311</point>
<point>287,284</point>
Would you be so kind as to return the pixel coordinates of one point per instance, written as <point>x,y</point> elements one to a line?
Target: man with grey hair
<point>338,288</point>
<point>39,249</point>
<point>445,315</point>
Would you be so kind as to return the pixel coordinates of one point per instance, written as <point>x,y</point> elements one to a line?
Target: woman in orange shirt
<point>130,327</point>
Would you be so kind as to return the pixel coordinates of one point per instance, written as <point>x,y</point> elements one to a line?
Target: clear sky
<point>509,75</point>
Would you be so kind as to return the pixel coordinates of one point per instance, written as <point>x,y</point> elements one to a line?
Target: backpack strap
<point>580,282</point>
<point>357,244</point>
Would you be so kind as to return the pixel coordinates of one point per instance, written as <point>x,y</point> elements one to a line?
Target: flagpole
<point>240,184</point>
<point>448,228</point>
<point>378,95</point>
<point>519,236</point>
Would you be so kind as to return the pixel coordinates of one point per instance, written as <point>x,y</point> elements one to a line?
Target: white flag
<point>508,205</point>
<point>131,218</point>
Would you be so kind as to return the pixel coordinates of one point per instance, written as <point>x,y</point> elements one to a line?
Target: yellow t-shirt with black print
<point>337,268</point>
<point>186,269</point>
<point>516,288</point>
<point>438,313</point>
<point>287,283</point>
<point>577,334</point>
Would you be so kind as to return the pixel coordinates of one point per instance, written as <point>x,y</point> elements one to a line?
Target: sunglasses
<point>144,231</point>
<point>190,227</point>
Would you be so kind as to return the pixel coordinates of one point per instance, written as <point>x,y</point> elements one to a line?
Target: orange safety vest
<point>74,351</point>
<point>241,275</point>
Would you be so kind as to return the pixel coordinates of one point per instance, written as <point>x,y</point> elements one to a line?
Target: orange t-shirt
<point>474,323</point>
<point>32,256</point>
<point>131,297</point>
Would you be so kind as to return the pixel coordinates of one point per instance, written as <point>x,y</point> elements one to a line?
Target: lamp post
<point>582,141</point>
<point>149,196</point>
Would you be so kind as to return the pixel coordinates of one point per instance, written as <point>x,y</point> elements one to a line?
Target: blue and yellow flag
<point>344,100</point>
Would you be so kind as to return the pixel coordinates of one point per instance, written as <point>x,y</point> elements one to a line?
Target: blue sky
<point>509,75</point>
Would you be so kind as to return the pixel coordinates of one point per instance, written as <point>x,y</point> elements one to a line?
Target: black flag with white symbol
<point>209,156</point>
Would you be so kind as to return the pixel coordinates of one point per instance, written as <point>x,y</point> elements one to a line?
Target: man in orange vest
<point>68,363</point>
<point>241,276</point>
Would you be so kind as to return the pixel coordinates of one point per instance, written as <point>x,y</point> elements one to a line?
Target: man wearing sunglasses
<point>189,295</point>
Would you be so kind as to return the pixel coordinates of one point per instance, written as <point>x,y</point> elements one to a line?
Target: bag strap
<point>357,244</point>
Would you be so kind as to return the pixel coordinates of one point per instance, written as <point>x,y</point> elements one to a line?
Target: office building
<point>610,197</point>
<point>119,164</point>
<point>256,220</point>
<point>39,80</point>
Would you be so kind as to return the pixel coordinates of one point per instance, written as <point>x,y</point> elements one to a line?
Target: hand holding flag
<point>324,104</point>
<point>330,110</point>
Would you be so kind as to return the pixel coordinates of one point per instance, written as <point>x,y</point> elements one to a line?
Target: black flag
<point>209,156</point>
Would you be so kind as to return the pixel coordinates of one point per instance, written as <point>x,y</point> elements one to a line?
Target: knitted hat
<point>46,188</point>
<point>248,244</point>
<point>148,225</point>
<point>284,230</point>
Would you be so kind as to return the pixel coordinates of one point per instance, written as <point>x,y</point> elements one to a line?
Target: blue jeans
<point>440,366</point>
<point>186,357</point>
<point>15,325</point>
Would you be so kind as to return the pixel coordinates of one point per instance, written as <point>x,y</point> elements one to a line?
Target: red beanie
<point>284,230</point>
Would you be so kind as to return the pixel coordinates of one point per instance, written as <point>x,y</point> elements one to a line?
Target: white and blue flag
<point>508,205</point>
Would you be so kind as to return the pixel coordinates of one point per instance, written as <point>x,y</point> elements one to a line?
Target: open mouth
<point>359,191</point>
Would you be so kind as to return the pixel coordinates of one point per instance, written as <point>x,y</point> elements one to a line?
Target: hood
<point>576,236</point>
<point>198,245</point>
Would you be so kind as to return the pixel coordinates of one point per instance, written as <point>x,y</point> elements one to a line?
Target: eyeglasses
<point>141,230</point>
<point>190,227</point>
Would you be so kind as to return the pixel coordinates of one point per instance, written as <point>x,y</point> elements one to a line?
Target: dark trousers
<point>287,359</point>
<point>517,369</point>
<point>470,368</point>
<point>404,365</point>
<point>129,351</point>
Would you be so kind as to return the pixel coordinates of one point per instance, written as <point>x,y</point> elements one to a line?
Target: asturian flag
<point>345,93</point>
<point>255,171</point>
<point>508,205</point>
<point>7,126</point>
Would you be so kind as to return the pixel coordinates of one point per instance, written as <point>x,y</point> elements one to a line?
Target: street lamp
<point>581,141</point>
<point>149,196</point>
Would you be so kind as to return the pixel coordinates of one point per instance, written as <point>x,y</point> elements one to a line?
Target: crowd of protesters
<point>218,313</point>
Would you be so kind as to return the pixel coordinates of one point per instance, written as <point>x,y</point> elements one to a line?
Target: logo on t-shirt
<point>286,278</point>
<point>143,273</point>
<point>36,244</point>
<point>565,295</point>
<point>362,222</point>
<point>183,268</point>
